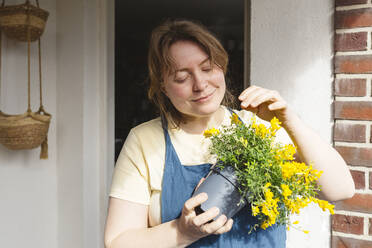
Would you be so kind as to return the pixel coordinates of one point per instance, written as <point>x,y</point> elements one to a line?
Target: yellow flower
<point>261,130</point>
<point>255,210</point>
<point>235,119</point>
<point>265,224</point>
<point>243,141</point>
<point>286,153</point>
<point>296,222</point>
<point>288,169</point>
<point>210,132</point>
<point>275,125</point>
<point>306,231</point>
<point>286,191</point>
<point>267,185</point>
<point>324,205</point>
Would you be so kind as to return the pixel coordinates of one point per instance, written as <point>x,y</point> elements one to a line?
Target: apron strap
<point>233,112</point>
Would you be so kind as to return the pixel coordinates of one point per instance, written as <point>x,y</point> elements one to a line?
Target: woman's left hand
<point>265,103</point>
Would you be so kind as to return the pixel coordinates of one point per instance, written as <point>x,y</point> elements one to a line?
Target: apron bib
<point>178,184</point>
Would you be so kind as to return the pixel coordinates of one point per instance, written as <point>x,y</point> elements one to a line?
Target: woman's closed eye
<point>181,77</point>
<point>207,69</point>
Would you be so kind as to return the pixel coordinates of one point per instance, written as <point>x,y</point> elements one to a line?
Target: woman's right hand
<point>193,227</point>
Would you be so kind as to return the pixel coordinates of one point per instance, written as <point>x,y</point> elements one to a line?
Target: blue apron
<point>178,185</point>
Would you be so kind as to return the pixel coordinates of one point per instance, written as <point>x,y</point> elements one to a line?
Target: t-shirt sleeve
<point>130,179</point>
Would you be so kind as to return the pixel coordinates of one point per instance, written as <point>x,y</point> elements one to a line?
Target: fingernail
<point>204,195</point>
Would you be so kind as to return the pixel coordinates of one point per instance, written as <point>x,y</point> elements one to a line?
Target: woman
<point>163,160</point>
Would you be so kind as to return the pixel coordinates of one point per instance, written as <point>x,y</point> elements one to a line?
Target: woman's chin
<point>205,111</point>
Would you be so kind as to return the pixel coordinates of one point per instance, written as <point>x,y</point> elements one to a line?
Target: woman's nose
<point>200,82</point>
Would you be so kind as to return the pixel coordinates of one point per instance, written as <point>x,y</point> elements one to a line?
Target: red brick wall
<point>352,136</point>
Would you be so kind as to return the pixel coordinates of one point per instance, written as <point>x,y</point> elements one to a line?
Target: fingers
<point>193,202</point>
<point>246,92</point>
<point>219,226</point>
<point>249,94</point>
<point>225,228</point>
<point>277,105</point>
<point>205,217</point>
<point>254,96</point>
<point>194,226</point>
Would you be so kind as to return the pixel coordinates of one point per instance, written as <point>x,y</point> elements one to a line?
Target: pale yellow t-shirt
<point>139,168</point>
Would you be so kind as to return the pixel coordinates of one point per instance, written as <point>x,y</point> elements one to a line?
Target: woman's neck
<point>197,125</point>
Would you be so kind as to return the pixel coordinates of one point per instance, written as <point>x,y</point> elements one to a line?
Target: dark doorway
<point>134,21</point>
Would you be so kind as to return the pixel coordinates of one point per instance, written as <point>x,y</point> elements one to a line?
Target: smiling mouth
<point>204,98</point>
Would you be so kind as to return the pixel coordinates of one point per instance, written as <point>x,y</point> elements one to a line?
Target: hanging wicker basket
<point>25,131</point>
<point>16,19</point>
<point>28,130</point>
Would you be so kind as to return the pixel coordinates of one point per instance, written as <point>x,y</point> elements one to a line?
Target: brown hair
<point>160,62</point>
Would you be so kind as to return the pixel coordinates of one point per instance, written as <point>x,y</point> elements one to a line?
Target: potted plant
<point>254,169</point>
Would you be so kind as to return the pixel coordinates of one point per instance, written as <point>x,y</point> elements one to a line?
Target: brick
<point>370,135</point>
<point>370,180</point>
<point>343,242</point>
<point>356,155</point>
<point>353,18</point>
<point>359,179</point>
<point>358,110</point>
<point>349,132</point>
<point>349,2</point>
<point>347,224</point>
<point>370,226</point>
<point>350,64</point>
<point>359,203</point>
<point>350,87</point>
<point>351,42</point>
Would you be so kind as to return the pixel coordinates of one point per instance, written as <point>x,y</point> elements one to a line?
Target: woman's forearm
<point>163,235</point>
<point>336,181</point>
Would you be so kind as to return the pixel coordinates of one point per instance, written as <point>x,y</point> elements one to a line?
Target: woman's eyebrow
<point>206,60</point>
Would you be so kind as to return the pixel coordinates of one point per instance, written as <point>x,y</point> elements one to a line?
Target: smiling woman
<point>132,34</point>
<point>164,160</point>
<point>196,87</point>
<point>187,72</point>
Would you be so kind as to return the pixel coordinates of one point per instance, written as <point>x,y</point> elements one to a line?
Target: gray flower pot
<point>222,189</point>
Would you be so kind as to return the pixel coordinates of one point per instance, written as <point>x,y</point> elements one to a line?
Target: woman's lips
<point>204,98</point>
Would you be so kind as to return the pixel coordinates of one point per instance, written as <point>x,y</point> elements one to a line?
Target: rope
<point>40,78</point>
<point>28,61</point>
<point>0,63</point>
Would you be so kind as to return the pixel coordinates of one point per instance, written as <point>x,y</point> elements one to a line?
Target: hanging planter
<point>28,130</point>
<point>223,192</point>
<point>25,131</point>
<point>17,20</point>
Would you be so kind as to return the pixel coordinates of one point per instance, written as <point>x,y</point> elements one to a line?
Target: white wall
<point>28,185</point>
<point>291,51</point>
<point>61,202</point>
<point>85,128</point>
